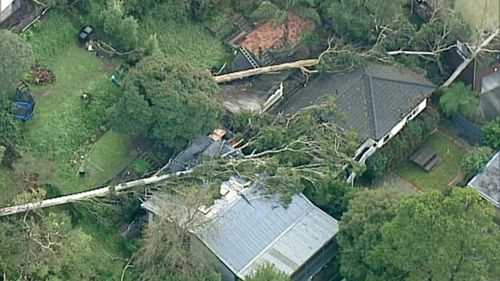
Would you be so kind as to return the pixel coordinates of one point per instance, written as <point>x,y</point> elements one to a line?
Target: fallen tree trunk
<point>301,64</point>
<point>99,192</point>
<point>467,61</point>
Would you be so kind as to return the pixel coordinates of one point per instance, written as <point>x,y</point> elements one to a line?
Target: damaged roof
<point>373,98</point>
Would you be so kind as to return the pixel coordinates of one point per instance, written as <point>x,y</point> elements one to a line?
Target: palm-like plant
<point>459,98</point>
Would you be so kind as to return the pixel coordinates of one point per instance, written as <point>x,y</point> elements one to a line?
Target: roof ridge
<point>372,105</point>
<point>403,81</point>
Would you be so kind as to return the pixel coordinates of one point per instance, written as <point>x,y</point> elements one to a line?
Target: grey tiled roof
<point>373,98</point>
<point>487,182</point>
<point>202,146</point>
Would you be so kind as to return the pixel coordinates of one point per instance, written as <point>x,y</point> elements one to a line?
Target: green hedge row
<point>398,149</point>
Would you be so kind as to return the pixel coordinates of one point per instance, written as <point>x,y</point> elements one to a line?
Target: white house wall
<point>4,4</point>
<point>395,130</point>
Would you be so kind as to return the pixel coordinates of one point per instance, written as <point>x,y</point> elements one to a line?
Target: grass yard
<point>106,159</point>
<point>473,11</point>
<point>441,175</point>
<point>58,127</point>
<point>184,41</point>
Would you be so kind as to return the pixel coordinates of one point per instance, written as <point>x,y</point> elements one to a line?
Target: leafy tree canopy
<point>475,160</point>
<point>267,272</point>
<point>443,237</point>
<point>359,233</point>
<point>16,58</point>
<point>171,103</point>
<point>121,28</point>
<point>459,98</point>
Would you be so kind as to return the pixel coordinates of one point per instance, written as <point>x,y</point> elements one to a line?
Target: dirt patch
<point>267,35</point>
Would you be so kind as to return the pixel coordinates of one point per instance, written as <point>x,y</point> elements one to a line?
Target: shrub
<point>400,147</point>
<point>491,136</point>
<point>475,160</point>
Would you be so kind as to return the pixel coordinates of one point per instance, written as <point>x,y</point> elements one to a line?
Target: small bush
<point>401,146</point>
<point>491,137</point>
<point>475,160</point>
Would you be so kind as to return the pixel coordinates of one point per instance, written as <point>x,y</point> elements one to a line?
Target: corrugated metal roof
<point>298,244</point>
<point>487,183</point>
<point>254,229</point>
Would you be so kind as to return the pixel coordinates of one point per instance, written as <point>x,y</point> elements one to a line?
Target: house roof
<point>251,94</point>
<point>202,146</point>
<point>489,105</point>
<point>487,182</point>
<point>373,98</point>
<point>248,228</point>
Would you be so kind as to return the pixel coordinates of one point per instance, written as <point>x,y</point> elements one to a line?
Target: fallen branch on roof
<point>301,64</point>
<point>99,192</point>
<point>467,61</point>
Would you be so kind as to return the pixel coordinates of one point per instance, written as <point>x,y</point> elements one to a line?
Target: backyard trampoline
<point>23,104</point>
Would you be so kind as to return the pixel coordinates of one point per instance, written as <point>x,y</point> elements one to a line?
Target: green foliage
<point>440,236</point>
<point>170,103</point>
<point>267,272</point>
<point>140,166</point>
<point>344,60</point>
<point>46,247</point>
<point>11,129</point>
<point>167,250</point>
<point>332,196</point>
<point>459,98</point>
<point>53,36</point>
<point>16,58</point>
<point>399,147</point>
<point>190,44</point>
<point>360,20</point>
<point>122,29</point>
<point>359,233</point>
<point>491,134</point>
<point>475,160</point>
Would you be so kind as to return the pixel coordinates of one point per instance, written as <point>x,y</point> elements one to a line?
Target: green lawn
<point>106,159</point>
<point>58,127</point>
<point>441,175</point>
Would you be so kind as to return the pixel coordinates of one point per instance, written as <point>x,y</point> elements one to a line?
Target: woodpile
<point>42,76</point>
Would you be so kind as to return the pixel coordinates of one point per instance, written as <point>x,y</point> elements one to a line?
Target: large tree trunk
<point>467,61</point>
<point>99,192</point>
<point>301,64</point>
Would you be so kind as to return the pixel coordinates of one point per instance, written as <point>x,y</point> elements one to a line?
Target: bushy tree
<point>47,247</point>
<point>267,272</point>
<point>491,134</point>
<point>361,20</point>
<point>171,103</point>
<point>443,237</point>
<point>359,233</point>
<point>167,250</point>
<point>16,58</point>
<point>475,160</point>
<point>459,98</point>
<point>121,28</point>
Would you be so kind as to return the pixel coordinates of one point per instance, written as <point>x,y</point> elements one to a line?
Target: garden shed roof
<point>487,182</point>
<point>373,98</point>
